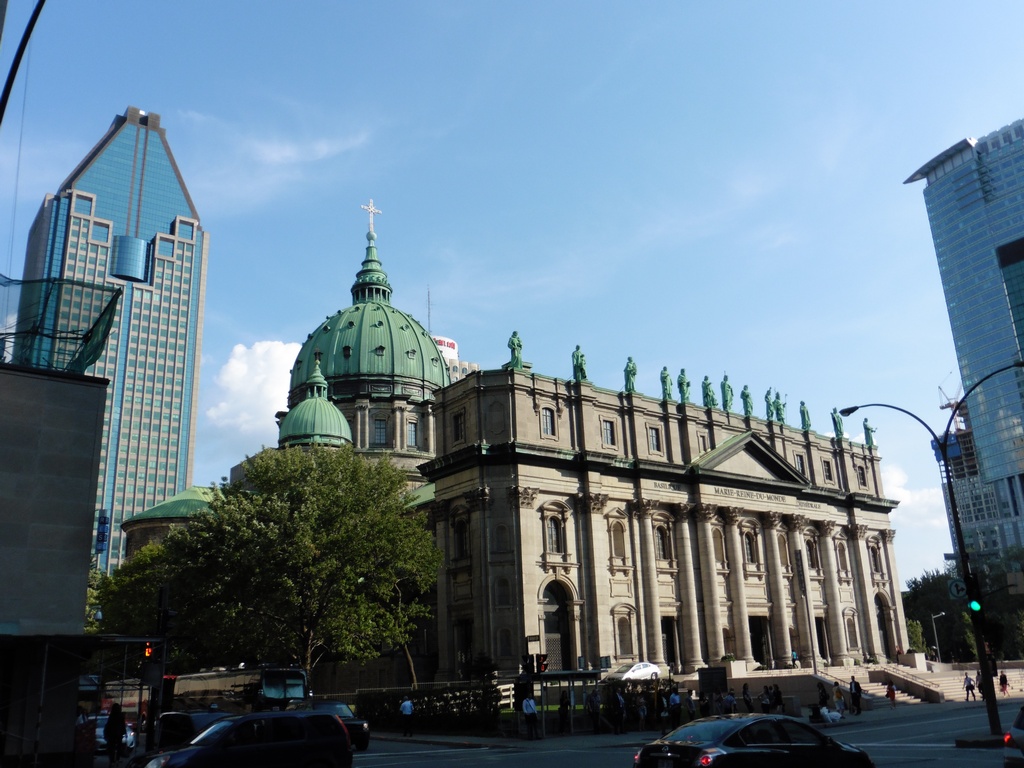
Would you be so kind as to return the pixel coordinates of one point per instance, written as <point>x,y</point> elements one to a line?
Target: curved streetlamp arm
<point>854,408</point>
<point>978,383</point>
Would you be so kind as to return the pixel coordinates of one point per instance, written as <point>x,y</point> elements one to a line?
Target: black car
<point>761,741</point>
<point>296,739</point>
<point>176,728</point>
<point>358,729</point>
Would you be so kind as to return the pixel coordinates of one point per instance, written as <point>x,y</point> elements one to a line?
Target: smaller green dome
<point>314,420</point>
<point>179,507</point>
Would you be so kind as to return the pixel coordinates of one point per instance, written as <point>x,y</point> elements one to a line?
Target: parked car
<point>738,741</point>
<point>1013,743</point>
<point>642,671</point>
<point>284,739</point>
<point>358,729</point>
<point>127,742</point>
<point>176,728</point>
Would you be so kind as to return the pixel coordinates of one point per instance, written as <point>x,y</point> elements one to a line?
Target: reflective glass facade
<point>975,202</point>
<point>124,217</point>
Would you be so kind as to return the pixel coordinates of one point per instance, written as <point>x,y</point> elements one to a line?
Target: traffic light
<point>542,662</point>
<point>975,605</point>
<point>527,664</point>
<point>148,653</point>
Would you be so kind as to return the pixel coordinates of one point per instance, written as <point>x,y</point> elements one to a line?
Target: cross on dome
<point>370,210</point>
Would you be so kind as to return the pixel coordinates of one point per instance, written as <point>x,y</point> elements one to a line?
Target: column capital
<point>857,531</point>
<point>705,513</point>
<point>481,496</point>
<point>827,527</point>
<point>522,496</point>
<point>797,521</point>
<point>591,502</point>
<point>642,508</point>
<point>888,534</point>
<point>771,520</point>
<point>731,515</point>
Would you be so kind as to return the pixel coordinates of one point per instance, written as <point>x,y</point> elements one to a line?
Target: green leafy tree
<point>915,635</point>
<point>128,598</point>
<point>319,552</point>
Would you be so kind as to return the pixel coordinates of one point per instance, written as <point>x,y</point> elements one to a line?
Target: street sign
<point>533,638</point>
<point>957,589</point>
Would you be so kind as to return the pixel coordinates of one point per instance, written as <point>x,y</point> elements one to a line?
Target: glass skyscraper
<point>124,218</point>
<point>975,202</point>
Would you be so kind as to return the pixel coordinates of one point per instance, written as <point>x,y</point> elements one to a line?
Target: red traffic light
<point>149,651</point>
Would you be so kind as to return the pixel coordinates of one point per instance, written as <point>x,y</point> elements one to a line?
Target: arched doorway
<point>556,627</point>
<point>882,619</point>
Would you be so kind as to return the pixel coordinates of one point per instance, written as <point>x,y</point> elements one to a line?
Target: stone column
<point>807,637</point>
<point>780,592</point>
<point>428,418</point>
<point>705,513</point>
<point>362,415</point>
<point>740,620</point>
<point>398,418</point>
<point>689,618</point>
<point>839,648</point>
<point>899,620</point>
<point>869,641</point>
<point>649,569</point>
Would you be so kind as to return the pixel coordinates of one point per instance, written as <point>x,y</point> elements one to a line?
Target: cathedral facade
<point>594,526</point>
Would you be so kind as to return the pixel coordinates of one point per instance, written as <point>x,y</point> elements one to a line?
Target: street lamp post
<point>935,634</point>
<point>970,579</point>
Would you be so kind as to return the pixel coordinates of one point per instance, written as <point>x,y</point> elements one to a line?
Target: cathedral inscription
<point>736,493</point>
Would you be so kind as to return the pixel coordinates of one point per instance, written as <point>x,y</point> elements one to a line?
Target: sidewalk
<point>586,739</point>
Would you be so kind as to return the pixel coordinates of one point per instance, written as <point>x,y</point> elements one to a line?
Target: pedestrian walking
<point>619,702</point>
<point>641,712</point>
<point>691,706</point>
<point>114,731</point>
<point>1004,684</point>
<point>890,694</point>
<point>563,712</point>
<point>748,700</point>
<point>969,687</point>
<point>778,705</point>
<point>855,693</point>
<point>765,700</point>
<point>406,711</point>
<point>594,710</point>
<point>663,717</point>
<point>530,713</point>
<point>840,701</point>
<point>675,707</point>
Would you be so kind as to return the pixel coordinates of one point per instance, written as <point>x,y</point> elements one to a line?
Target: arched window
<point>851,632</point>
<point>750,547</point>
<point>783,550</point>
<point>625,633</point>
<point>662,550</point>
<point>461,540</point>
<point>504,642</point>
<point>844,565</point>
<point>618,540</point>
<point>501,539</point>
<point>716,537</point>
<point>547,421</point>
<point>502,592</point>
<point>555,538</point>
<point>812,553</point>
<point>876,558</point>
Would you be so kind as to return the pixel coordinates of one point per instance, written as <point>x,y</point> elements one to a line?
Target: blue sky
<point>715,186</point>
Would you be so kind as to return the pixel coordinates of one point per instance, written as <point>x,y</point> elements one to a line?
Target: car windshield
<point>624,668</point>
<point>213,733</point>
<point>702,731</point>
<point>339,708</point>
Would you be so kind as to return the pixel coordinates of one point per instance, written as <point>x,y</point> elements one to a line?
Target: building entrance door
<point>556,627</point>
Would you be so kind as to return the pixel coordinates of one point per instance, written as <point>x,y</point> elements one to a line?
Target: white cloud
<point>922,530</point>
<point>252,386</point>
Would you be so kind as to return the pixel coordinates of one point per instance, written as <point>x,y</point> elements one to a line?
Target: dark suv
<point>299,739</point>
<point>358,729</point>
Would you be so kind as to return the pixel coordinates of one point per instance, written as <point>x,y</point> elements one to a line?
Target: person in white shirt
<point>530,713</point>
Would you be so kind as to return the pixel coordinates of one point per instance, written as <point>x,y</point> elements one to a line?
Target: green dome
<point>180,506</point>
<point>371,349</point>
<point>315,419</point>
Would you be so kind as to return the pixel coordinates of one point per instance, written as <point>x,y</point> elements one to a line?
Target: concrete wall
<point>50,429</point>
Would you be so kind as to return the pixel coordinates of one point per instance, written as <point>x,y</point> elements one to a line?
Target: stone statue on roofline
<point>515,344</point>
<point>579,365</point>
<point>837,422</point>
<point>708,393</point>
<point>684,386</point>
<point>748,401</point>
<point>726,393</point>
<point>630,375</point>
<point>666,384</point>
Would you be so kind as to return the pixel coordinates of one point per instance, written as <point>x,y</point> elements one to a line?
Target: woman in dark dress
<point>114,731</point>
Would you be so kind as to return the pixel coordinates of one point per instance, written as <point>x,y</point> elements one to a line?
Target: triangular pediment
<point>750,456</point>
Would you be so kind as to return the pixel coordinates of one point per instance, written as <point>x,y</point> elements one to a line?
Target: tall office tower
<point>124,217</point>
<point>975,202</point>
